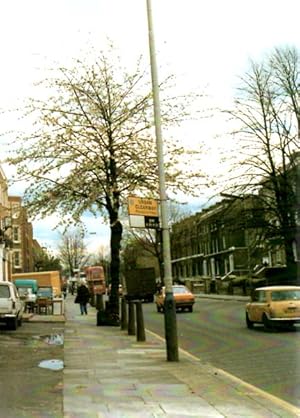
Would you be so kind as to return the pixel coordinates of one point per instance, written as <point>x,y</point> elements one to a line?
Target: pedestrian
<point>72,288</point>
<point>64,289</point>
<point>82,297</point>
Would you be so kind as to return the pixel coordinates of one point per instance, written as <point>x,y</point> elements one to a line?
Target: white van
<point>11,306</point>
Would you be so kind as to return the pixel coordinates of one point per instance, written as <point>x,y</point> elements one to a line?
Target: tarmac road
<point>28,390</point>
<point>216,333</point>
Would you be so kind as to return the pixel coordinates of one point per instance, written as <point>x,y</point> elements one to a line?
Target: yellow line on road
<point>280,402</point>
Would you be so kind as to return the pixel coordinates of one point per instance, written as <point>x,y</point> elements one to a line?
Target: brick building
<point>220,241</point>
<point>5,251</point>
<point>21,235</point>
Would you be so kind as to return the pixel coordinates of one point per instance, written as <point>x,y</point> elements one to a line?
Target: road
<point>216,333</point>
<point>27,389</point>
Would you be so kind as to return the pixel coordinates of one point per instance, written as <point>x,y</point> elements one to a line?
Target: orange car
<point>184,299</point>
<point>274,305</point>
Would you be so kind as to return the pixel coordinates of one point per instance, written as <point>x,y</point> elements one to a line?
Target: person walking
<point>83,296</point>
<point>64,289</point>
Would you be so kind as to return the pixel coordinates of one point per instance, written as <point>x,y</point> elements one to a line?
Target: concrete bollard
<point>124,323</point>
<point>131,319</point>
<point>140,334</point>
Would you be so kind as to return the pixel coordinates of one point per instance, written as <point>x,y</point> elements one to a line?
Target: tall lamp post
<point>170,311</point>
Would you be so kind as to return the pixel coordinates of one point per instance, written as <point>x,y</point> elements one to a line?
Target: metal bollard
<point>124,323</point>
<point>99,303</point>
<point>171,327</point>
<point>131,319</point>
<point>140,334</point>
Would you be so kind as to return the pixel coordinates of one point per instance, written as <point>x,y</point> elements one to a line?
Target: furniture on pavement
<point>44,305</point>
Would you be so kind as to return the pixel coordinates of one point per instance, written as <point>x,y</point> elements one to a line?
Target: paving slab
<point>109,374</point>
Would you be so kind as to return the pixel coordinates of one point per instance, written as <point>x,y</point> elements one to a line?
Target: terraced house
<point>226,241</point>
<point>217,242</point>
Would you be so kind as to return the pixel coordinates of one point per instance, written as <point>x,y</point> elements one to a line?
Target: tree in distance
<point>43,261</point>
<point>267,110</point>
<point>92,145</point>
<point>139,242</point>
<point>72,251</point>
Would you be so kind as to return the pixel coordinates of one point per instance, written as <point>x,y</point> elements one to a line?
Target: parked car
<point>274,305</point>
<point>27,289</point>
<point>184,298</point>
<point>27,295</point>
<point>11,305</point>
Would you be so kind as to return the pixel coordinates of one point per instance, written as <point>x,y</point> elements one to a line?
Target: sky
<point>205,44</point>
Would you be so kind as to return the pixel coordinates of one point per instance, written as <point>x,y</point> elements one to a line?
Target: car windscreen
<point>23,291</point>
<point>4,292</point>
<point>180,290</point>
<point>285,295</point>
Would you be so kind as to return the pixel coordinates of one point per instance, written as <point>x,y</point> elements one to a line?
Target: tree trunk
<point>115,246</point>
<point>289,254</point>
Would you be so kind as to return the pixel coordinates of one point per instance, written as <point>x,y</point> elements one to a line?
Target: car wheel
<point>248,322</point>
<point>190,309</point>
<point>12,324</point>
<point>266,322</point>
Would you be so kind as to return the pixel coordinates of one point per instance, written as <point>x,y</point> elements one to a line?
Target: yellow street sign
<point>142,206</point>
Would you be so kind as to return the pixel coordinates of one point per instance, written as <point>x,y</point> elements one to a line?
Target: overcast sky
<point>206,44</point>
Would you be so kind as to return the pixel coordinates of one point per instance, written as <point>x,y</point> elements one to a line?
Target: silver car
<point>11,305</point>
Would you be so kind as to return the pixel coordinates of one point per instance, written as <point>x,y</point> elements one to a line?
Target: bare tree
<point>150,240</point>
<point>101,258</point>
<point>140,242</point>
<point>178,211</point>
<point>72,251</point>
<point>93,146</point>
<point>268,110</point>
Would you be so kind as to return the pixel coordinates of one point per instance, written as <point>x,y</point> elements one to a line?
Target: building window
<point>17,259</point>
<point>16,234</point>
<point>224,242</point>
<point>231,262</point>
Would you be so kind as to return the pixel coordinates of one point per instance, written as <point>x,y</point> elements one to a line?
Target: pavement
<point>218,296</point>
<point>108,373</point>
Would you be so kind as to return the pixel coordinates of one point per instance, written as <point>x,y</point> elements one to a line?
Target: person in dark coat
<point>83,296</point>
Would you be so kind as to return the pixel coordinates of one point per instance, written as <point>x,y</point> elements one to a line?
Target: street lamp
<point>170,311</point>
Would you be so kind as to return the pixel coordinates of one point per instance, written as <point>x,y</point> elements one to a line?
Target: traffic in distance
<point>184,298</point>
